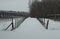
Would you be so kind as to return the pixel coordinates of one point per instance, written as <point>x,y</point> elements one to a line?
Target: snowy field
<point>53,25</point>
<point>32,29</point>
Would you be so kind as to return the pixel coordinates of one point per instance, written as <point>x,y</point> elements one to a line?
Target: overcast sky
<point>15,5</point>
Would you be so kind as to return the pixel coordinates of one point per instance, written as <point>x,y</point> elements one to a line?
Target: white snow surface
<point>31,28</point>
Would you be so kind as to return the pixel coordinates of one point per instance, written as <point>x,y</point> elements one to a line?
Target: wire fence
<point>7,24</point>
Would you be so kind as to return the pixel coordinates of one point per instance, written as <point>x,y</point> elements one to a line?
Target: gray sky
<point>15,5</point>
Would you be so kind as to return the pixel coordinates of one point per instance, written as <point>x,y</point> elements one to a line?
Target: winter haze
<point>31,28</point>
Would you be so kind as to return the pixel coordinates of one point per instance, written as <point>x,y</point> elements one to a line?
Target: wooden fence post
<point>47,24</point>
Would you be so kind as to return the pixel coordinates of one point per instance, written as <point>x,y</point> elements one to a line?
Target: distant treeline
<point>10,14</point>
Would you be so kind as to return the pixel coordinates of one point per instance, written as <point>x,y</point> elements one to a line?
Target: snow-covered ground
<point>35,24</point>
<point>32,29</point>
<point>53,25</point>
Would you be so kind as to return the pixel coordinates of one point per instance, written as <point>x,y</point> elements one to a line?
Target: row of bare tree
<point>45,9</point>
